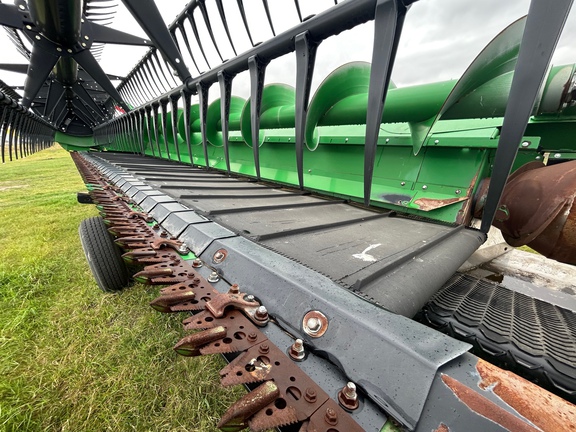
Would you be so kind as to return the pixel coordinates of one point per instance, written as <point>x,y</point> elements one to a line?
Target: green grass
<point>71,357</point>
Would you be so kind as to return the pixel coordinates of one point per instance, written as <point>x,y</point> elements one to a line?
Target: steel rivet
<point>28,26</point>
<point>387,139</point>
<point>37,37</point>
<point>457,191</point>
<point>69,51</point>
<point>402,183</point>
<point>21,7</point>
<point>557,155</point>
<point>249,298</point>
<point>86,37</point>
<point>83,44</point>
<point>538,157</point>
<point>424,187</point>
<point>252,337</point>
<point>525,143</point>
<point>219,256</point>
<point>436,141</point>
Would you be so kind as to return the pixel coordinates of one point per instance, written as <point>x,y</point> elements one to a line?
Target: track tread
<point>531,337</point>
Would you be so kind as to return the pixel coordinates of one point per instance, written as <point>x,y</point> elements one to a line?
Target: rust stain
<point>485,407</point>
<point>442,428</point>
<point>428,204</point>
<point>547,411</point>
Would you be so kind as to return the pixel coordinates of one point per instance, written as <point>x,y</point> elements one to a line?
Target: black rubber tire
<point>103,255</point>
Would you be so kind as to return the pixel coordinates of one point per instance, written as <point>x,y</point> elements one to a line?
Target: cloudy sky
<point>440,39</point>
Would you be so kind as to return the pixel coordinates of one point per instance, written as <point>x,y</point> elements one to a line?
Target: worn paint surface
<point>365,256</point>
<point>485,407</point>
<point>545,410</point>
<point>428,204</point>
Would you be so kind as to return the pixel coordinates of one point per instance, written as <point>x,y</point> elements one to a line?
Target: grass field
<point>71,357</point>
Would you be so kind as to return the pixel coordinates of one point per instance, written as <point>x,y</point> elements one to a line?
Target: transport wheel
<point>103,255</point>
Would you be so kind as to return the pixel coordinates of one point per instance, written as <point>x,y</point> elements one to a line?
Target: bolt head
<point>347,397</point>
<point>297,351</point>
<point>314,324</point>
<point>310,395</point>
<point>214,277</point>
<point>331,417</point>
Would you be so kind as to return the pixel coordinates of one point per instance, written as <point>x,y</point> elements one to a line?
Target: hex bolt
<point>261,313</point>
<point>348,397</point>
<point>310,395</point>
<point>249,298</point>
<point>252,337</point>
<point>163,234</point>
<point>234,289</point>
<point>183,248</point>
<point>214,277</point>
<point>297,350</point>
<point>331,417</point>
<point>314,325</point>
<point>197,263</point>
<point>264,348</point>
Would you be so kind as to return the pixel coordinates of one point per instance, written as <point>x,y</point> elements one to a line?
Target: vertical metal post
<point>225,82</point>
<point>388,21</point>
<point>203,103</point>
<point>305,60</point>
<point>257,69</point>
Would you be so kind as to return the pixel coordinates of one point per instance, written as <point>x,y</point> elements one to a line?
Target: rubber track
<point>531,337</point>
<point>102,254</point>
